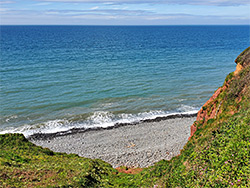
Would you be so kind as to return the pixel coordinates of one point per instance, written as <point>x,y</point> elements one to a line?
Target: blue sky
<point>124,12</point>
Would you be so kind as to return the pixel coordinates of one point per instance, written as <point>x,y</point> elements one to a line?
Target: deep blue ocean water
<point>54,78</point>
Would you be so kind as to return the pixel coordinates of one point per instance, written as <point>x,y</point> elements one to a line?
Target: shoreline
<point>39,136</point>
<point>139,144</point>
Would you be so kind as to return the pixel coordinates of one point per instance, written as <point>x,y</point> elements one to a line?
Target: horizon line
<point>125,25</point>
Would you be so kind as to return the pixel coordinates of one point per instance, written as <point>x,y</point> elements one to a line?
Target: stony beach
<point>135,145</point>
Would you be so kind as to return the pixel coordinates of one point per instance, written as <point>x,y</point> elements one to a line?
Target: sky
<point>125,12</point>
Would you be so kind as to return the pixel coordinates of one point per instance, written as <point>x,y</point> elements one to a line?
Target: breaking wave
<point>98,119</point>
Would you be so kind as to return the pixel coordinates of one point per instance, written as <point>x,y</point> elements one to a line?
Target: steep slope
<point>232,91</point>
<point>22,164</point>
<point>217,154</point>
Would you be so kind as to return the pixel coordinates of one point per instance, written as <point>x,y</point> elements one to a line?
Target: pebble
<point>139,145</point>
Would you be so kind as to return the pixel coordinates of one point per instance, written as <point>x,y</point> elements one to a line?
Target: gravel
<point>139,145</point>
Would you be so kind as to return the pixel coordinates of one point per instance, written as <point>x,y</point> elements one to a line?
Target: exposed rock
<point>129,170</point>
<point>239,67</point>
<point>204,113</point>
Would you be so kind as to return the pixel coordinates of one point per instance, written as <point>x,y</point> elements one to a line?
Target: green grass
<point>243,57</point>
<point>22,164</point>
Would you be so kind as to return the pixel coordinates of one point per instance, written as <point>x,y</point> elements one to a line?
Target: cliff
<point>237,81</point>
<point>216,155</point>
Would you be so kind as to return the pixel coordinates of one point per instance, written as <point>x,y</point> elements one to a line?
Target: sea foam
<point>99,119</point>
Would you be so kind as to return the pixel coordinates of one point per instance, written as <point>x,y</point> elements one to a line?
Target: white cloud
<point>113,17</point>
<point>42,4</point>
<point>108,3</point>
<point>4,9</point>
<point>52,13</point>
<point>94,8</point>
<point>6,2</point>
<point>112,13</point>
<point>180,2</point>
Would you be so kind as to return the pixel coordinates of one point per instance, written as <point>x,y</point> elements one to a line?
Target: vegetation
<point>25,165</point>
<point>218,154</point>
<point>244,57</point>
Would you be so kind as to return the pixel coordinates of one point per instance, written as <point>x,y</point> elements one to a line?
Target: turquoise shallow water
<point>54,78</point>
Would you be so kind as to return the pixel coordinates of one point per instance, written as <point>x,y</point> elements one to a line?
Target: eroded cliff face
<point>214,106</point>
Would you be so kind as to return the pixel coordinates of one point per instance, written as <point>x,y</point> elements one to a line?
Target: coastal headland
<point>217,153</point>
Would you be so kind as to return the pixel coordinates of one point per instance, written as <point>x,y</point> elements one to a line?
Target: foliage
<point>244,57</point>
<point>22,164</point>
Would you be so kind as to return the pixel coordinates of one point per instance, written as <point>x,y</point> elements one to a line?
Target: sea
<point>56,78</point>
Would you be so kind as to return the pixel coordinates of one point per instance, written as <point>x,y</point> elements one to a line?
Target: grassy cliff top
<point>244,58</point>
